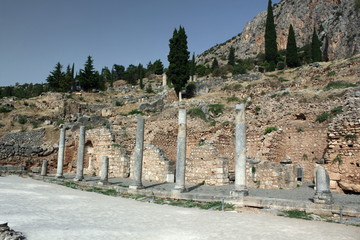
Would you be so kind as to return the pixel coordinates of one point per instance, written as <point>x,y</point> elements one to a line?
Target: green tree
<point>214,65</point>
<point>316,55</point>
<point>231,57</point>
<point>68,80</point>
<point>292,58</point>
<point>56,77</point>
<point>119,71</point>
<point>89,78</point>
<point>270,38</point>
<point>157,67</point>
<point>178,71</point>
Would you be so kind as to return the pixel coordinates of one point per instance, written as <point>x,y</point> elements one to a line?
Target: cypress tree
<point>56,77</point>
<point>316,54</point>
<point>292,58</point>
<point>231,57</point>
<point>271,51</point>
<point>214,65</point>
<point>178,71</point>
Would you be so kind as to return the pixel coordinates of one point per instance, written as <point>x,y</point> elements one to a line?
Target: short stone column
<point>44,168</point>
<point>60,161</point>
<point>240,148</point>
<point>104,180</point>
<point>164,79</point>
<point>138,154</point>
<point>322,194</point>
<point>81,152</point>
<point>181,153</point>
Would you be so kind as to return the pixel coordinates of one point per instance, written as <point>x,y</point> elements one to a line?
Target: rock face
<point>336,21</point>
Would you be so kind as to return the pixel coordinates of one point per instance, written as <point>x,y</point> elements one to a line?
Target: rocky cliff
<point>336,21</point>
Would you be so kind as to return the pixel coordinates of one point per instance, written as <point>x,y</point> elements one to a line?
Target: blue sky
<point>36,34</point>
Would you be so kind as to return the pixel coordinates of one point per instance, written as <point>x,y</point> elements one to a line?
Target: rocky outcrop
<point>336,21</point>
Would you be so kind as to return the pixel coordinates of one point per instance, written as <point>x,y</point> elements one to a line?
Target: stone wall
<point>270,175</point>
<point>156,166</point>
<point>343,152</point>
<point>206,165</point>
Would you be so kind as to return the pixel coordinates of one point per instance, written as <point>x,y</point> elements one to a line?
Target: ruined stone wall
<point>98,142</point>
<point>205,165</point>
<point>156,167</point>
<point>343,152</point>
<point>270,175</point>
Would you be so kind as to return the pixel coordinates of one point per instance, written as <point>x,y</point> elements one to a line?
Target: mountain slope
<point>336,21</point>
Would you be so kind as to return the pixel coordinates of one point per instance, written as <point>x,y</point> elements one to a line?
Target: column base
<point>323,198</point>
<point>103,183</point>
<point>78,179</point>
<point>178,190</point>
<point>59,176</point>
<point>135,187</point>
<point>237,193</point>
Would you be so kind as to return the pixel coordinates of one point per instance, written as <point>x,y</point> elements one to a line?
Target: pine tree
<point>178,71</point>
<point>214,65</point>
<point>56,77</point>
<point>316,54</point>
<point>292,58</point>
<point>271,51</point>
<point>68,80</point>
<point>89,78</point>
<point>231,57</point>
<point>157,67</point>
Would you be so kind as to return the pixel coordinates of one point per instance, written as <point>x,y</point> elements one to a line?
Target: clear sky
<point>36,34</point>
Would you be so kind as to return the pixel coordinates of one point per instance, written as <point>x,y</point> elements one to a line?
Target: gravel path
<point>47,211</point>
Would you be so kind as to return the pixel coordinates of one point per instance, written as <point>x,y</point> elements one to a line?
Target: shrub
<point>190,89</point>
<point>336,110</point>
<point>332,73</point>
<point>257,109</point>
<point>270,129</point>
<point>233,99</point>
<point>149,89</point>
<point>350,136</point>
<point>216,109</point>
<point>197,113</point>
<point>135,111</point>
<point>280,65</point>
<point>338,85</point>
<point>5,109</point>
<point>22,120</point>
<point>119,104</point>
<point>323,117</point>
<point>59,121</point>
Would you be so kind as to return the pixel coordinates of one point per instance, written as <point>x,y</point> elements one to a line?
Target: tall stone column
<point>240,149</point>
<point>322,194</point>
<point>81,153</point>
<point>60,161</point>
<point>181,153</point>
<point>104,171</point>
<point>44,168</point>
<point>138,154</point>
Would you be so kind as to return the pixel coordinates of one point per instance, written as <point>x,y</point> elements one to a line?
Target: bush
<point>270,129</point>
<point>323,117</point>
<point>135,111</point>
<point>216,109</point>
<point>280,65</point>
<point>22,120</point>
<point>197,113</point>
<point>190,89</point>
<point>338,85</point>
<point>233,99</point>
<point>119,104</point>
<point>336,110</point>
<point>357,5</point>
<point>5,109</point>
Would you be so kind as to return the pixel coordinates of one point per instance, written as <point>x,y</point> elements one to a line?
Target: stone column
<point>81,153</point>
<point>60,161</point>
<point>180,97</point>
<point>240,148</point>
<point>138,154</point>
<point>104,171</point>
<point>322,194</point>
<point>44,168</point>
<point>181,153</point>
<point>164,79</point>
